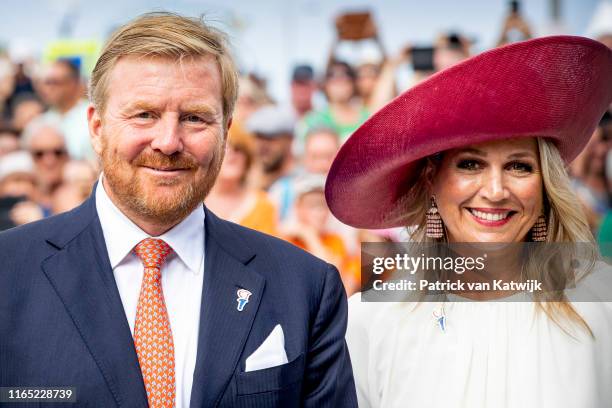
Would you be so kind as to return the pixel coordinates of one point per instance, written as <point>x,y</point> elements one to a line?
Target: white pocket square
<point>270,353</point>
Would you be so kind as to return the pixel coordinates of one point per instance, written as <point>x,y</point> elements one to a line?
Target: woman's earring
<point>434,227</point>
<point>539,231</point>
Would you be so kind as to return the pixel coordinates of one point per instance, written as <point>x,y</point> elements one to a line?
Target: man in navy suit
<point>141,296</point>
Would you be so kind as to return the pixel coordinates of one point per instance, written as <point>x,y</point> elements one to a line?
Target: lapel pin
<point>440,318</point>
<point>243,298</point>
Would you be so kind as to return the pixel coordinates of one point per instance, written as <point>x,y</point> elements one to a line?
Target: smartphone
<point>422,58</point>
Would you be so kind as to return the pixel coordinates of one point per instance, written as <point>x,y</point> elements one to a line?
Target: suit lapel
<point>82,277</point>
<point>223,329</point>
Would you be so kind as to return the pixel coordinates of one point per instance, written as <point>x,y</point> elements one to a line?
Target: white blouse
<point>484,355</point>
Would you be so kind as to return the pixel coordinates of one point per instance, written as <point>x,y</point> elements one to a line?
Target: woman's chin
<point>488,238</point>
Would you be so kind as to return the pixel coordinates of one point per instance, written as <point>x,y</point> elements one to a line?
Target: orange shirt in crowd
<point>349,269</point>
<point>262,215</point>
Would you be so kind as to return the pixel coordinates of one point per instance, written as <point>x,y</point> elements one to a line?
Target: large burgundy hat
<point>555,87</point>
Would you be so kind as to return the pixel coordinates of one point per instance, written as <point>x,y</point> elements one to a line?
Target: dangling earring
<point>539,230</point>
<point>434,227</point>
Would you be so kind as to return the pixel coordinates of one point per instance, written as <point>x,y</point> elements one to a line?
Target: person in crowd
<point>589,174</point>
<point>367,74</point>
<point>45,142</point>
<point>307,229</point>
<point>232,198</point>
<point>80,172</point>
<point>68,196</point>
<point>78,179</point>
<point>604,237</point>
<point>252,96</point>
<point>238,318</point>
<point>14,84</point>
<point>62,89</point>
<point>23,82</point>
<point>7,86</point>
<point>303,87</point>
<point>275,171</point>
<point>345,111</point>
<point>25,108</point>
<point>475,174</point>
<point>515,27</point>
<point>18,190</point>
<point>605,227</point>
<point>320,148</point>
<point>9,140</point>
<point>450,49</point>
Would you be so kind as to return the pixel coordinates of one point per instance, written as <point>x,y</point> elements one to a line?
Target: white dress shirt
<point>182,279</point>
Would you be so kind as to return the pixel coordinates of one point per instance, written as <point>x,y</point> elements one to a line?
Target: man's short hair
<point>170,35</point>
<point>36,125</point>
<point>74,71</point>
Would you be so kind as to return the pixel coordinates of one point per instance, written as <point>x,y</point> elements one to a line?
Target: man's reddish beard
<point>129,187</point>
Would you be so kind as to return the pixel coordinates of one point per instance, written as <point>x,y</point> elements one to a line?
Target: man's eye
<point>144,115</point>
<point>520,167</point>
<point>194,119</point>
<point>469,164</point>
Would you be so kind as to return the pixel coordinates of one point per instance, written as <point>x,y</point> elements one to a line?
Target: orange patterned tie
<point>152,332</point>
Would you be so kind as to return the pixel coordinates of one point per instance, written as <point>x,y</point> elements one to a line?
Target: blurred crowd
<point>277,156</point>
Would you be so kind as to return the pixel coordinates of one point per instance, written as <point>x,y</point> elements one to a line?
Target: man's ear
<point>94,121</point>
<point>229,123</point>
<point>227,128</point>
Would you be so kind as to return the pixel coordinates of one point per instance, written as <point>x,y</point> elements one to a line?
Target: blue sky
<point>270,36</point>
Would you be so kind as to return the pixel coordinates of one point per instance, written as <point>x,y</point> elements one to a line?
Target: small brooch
<point>440,318</point>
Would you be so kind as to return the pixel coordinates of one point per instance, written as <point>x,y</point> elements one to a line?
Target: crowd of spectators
<point>277,156</point>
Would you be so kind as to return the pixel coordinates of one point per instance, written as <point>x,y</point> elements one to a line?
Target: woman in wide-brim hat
<point>477,153</point>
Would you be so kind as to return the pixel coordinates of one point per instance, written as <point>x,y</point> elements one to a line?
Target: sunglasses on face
<point>57,153</point>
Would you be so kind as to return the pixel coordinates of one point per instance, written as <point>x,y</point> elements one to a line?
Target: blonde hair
<point>565,220</point>
<point>168,35</point>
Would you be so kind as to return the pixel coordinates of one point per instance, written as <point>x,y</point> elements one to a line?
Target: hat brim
<point>554,87</point>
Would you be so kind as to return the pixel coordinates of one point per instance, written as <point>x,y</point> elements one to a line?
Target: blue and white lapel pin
<point>440,318</point>
<point>243,298</point>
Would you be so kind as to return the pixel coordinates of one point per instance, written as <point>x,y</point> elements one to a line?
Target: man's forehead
<point>57,69</point>
<point>194,82</point>
<point>46,136</point>
<point>141,66</point>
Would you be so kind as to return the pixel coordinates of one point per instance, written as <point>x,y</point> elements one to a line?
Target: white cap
<point>16,162</point>
<point>271,121</point>
<point>308,182</point>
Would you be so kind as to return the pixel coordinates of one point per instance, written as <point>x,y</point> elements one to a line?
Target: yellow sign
<point>83,52</point>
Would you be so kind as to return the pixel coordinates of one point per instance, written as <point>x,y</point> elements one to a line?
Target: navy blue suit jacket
<point>62,322</point>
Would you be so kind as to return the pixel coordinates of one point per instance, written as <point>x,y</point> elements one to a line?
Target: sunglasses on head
<point>58,153</point>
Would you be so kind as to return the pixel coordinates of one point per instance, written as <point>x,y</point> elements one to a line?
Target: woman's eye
<point>520,167</point>
<point>469,164</point>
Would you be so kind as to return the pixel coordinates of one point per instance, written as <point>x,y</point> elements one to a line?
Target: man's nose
<point>168,139</point>
<point>494,186</point>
